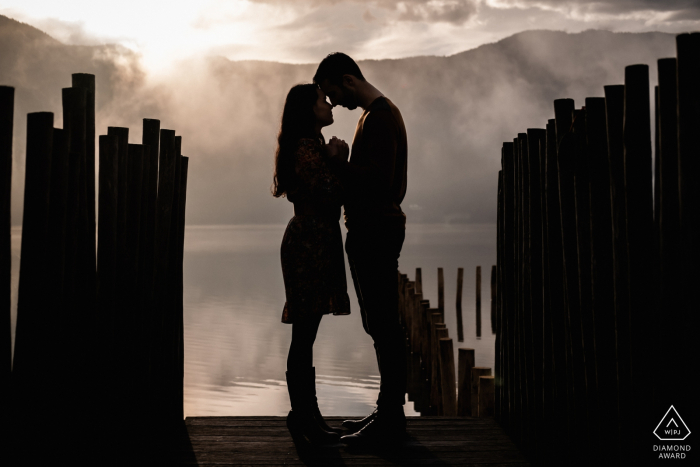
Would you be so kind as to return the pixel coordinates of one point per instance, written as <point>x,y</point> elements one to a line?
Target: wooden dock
<point>463,441</point>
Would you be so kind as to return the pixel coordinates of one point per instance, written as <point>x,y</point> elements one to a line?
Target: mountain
<point>458,110</point>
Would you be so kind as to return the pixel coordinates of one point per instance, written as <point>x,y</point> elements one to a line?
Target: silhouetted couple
<point>318,178</point>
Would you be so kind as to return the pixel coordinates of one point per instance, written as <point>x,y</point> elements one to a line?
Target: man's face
<point>339,95</point>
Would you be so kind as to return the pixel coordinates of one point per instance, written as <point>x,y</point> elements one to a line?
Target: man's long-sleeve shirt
<point>376,172</point>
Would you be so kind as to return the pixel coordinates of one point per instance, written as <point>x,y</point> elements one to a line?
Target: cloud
<point>430,11</point>
<point>659,10</point>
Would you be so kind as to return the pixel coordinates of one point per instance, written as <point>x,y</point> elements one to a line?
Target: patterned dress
<point>313,262</point>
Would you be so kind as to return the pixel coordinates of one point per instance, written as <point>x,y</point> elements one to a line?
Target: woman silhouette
<point>313,265</point>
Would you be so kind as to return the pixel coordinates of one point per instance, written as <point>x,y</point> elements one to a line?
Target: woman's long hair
<point>298,121</point>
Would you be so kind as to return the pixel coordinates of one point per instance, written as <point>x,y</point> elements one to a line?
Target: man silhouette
<point>375,178</point>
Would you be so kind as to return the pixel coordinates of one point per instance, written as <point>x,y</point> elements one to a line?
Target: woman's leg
<point>301,384</point>
<point>301,354</point>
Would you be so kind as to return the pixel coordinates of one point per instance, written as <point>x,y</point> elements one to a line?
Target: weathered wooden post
<point>496,272</point>
<point>535,137</point>
<point>56,237</point>
<point>494,297</point>
<point>447,377</point>
<point>150,141</point>
<point>478,302</point>
<point>486,396</point>
<point>476,373</point>
<point>133,210</point>
<point>614,113</point>
<point>441,294</point>
<point>464,385</point>
<point>179,289</point>
<point>458,305</point>
<point>425,347</point>
<point>7,105</point>
<point>667,212</point>
<point>506,312</point>
<point>688,55</point>
<point>87,82</point>
<point>160,355</point>
<point>435,386</point>
<point>107,228</point>
<point>518,353</point>
<point>581,180</point>
<point>132,310</point>
<point>419,281</point>
<point>564,110</point>
<point>527,372</point>
<point>602,270</point>
<point>29,360</point>
<point>638,178</point>
<point>122,136</point>
<point>560,408</point>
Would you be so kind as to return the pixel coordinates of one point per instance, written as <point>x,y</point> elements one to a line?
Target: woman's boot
<point>311,382</point>
<point>301,420</point>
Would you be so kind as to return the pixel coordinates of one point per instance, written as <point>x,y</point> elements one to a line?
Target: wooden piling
<point>667,212</point>
<point>478,302</point>
<point>602,289</point>
<point>150,140</point>
<point>458,305</point>
<point>30,331</point>
<point>419,281</point>
<point>441,293</point>
<point>494,296</point>
<point>53,320</point>
<point>122,136</point>
<point>87,82</point>
<point>179,290</point>
<point>447,378</point>
<point>688,76</point>
<point>160,348</point>
<point>567,204</point>
<point>434,363</point>
<point>133,215</point>
<point>507,288</point>
<point>639,199</point>
<point>476,373</point>
<point>486,396</point>
<point>7,105</point>
<point>465,365</point>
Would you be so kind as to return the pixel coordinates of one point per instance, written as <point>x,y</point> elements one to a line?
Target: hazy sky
<point>303,31</point>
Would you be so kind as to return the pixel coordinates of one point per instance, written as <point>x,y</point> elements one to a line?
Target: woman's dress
<point>313,262</point>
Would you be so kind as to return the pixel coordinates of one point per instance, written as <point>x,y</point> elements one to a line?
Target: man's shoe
<point>356,425</point>
<point>387,428</point>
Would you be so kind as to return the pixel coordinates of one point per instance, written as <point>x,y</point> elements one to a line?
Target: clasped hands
<point>337,149</point>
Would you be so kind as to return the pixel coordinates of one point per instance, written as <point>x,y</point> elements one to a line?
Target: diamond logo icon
<point>671,427</point>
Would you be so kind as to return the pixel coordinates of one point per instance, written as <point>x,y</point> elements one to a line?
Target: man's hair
<point>334,66</point>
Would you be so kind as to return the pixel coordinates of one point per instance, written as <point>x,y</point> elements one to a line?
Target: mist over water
<point>458,110</point>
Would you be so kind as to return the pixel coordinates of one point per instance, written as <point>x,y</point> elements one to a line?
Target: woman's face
<point>323,110</point>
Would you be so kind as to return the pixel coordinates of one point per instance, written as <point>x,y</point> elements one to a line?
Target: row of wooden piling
<point>589,254</point>
<point>99,318</point>
<point>431,381</point>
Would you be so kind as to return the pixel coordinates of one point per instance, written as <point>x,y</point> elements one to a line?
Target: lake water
<point>236,346</point>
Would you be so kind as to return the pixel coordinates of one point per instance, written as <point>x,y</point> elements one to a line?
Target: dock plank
<point>260,441</point>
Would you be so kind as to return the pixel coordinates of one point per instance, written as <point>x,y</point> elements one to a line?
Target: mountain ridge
<point>458,110</point>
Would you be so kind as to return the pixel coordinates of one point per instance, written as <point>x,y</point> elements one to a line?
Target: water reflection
<point>236,346</point>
